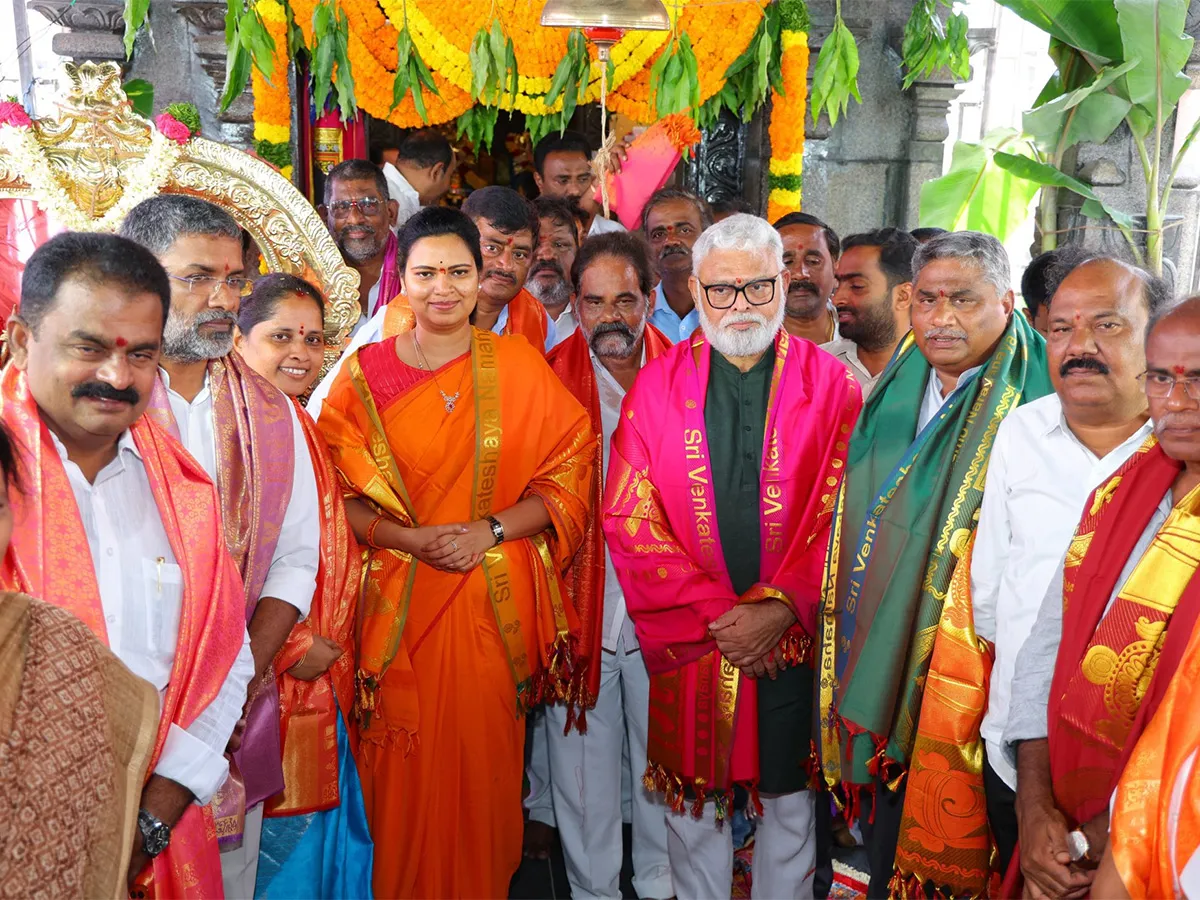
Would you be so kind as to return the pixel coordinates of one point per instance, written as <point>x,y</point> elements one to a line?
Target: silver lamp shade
<point>631,15</point>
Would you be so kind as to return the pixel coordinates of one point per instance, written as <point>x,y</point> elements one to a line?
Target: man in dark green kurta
<point>718,504</point>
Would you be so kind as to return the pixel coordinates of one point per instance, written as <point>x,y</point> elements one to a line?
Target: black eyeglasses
<point>368,206</point>
<point>757,293</point>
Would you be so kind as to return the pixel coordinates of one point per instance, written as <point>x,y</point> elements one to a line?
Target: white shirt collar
<point>125,443</point>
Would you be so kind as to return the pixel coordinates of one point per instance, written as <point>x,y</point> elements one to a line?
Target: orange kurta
<point>448,663</point>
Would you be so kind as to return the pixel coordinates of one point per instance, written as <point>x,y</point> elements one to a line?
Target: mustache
<point>500,274</point>
<point>1086,363</point>
<point>946,332</point>
<point>208,316</point>
<point>1177,419</point>
<point>674,250</point>
<point>797,286</point>
<point>745,318</point>
<point>98,390</point>
<point>612,328</point>
<point>547,265</point>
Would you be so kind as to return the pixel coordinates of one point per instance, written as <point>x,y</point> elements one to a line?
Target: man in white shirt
<point>133,550</point>
<point>598,363</point>
<point>247,436</point>
<point>872,301</point>
<point>673,221</point>
<point>562,168</point>
<point>418,171</point>
<point>360,216</point>
<point>1048,457</point>
<point>549,276</point>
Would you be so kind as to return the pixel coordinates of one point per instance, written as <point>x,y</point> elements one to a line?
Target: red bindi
<point>1179,370</point>
<point>121,342</point>
<point>301,331</point>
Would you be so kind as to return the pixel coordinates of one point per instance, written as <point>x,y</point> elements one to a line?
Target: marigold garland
<point>788,111</point>
<point>272,99</point>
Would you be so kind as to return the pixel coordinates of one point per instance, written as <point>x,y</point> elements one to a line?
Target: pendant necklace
<point>449,400</point>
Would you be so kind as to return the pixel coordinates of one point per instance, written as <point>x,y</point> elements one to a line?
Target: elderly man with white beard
<point>718,504</point>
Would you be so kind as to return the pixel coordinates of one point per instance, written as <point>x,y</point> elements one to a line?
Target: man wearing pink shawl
<point>245,434</point>
<point>360,217</point>
<point>722,479</point>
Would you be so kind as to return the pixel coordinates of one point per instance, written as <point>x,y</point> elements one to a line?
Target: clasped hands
<point>458,547</point>
<point>748,634</point>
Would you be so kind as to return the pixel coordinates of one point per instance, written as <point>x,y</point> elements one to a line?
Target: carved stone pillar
<point>930,128</point>
<point>730,161</point>
<point>206,21</point>
<point>96,28</point>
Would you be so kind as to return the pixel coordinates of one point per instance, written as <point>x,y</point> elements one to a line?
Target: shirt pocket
<point>164,591</point>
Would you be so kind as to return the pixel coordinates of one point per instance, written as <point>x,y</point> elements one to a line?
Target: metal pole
<point>24,52</point>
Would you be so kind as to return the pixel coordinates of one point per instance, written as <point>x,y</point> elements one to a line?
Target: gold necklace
<point>448,399</point>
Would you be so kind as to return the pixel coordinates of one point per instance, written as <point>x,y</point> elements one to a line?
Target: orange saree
<point>448,663</point>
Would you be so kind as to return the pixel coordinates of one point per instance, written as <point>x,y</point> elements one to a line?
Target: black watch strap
<point>497,529</point>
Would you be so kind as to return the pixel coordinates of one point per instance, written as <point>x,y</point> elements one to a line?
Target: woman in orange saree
<point>467,466</point>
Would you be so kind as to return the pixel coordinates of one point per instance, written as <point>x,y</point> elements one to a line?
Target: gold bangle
<point>371,533</point>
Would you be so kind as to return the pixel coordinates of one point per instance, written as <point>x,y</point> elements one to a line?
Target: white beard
<point>730,342</point>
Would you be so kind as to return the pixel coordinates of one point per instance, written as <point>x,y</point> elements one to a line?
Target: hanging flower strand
<point>412,75</point>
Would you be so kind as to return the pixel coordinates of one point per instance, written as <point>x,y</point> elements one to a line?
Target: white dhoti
<point>588,772</point>
<point>785,851</point>
<point>539,802</point>
<point>239,867</point>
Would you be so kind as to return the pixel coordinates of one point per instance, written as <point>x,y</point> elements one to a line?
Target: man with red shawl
<point>1112,630</point>
<point>247,436</point>
<point>120,526</point>
<point>723,473</point>
<point>613,280</point>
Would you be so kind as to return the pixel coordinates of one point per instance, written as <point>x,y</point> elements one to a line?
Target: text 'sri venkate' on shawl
<point>660,521</point>
<point>1114,667</point>
<point>526,317</point>
<point>904,520</point>
<point>572,362</point>
<point>73,717</point>
<point>308,710</point>
<point>49,558</point>
<point>501,453</point>
<point>252,425</point>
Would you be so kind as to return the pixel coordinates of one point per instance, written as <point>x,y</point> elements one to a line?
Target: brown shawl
<point>76,734</point>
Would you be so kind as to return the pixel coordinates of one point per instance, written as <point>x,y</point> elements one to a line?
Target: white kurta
<point>141,592</point>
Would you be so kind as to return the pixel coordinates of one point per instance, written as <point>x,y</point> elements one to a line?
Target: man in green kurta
<point>720,491</point>
<point>906,516</point>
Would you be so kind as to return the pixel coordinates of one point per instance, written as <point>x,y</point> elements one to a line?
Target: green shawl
<point>907,509</point>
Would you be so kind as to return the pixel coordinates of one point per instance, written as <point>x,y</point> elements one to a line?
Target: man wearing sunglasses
<point>246,435</point>
<point>722,475</point>
<point>360,217</point>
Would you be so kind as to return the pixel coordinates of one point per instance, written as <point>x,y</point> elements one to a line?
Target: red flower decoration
<point>14,114</point>
<point>172,128</point>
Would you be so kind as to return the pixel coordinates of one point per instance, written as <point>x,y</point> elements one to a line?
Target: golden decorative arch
<point>97,159</point>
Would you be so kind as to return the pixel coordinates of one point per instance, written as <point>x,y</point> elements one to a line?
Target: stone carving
<point>96,27</point>
<point>99,149</point>
<point>207,23</point>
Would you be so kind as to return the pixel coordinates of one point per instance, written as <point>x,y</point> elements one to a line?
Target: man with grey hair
<point>906,519</point>
<point>722,474</point>
<point>247,436</point>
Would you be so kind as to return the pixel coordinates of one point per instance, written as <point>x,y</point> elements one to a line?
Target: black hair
<point>560,212</point>
<point>625,245</point>
<point>731,205</point>
<point>928,233</point>
<point>357,170</point>
<point>94,258</point>
<point>665,195</point>
<point>802,218</point>
<point>425,148</point>
<point>1155,291</point>
<point>268,291</point>
<point>158,222</point>
<point>434,221</point>
<point>567,142</point>
<point>10,473</point>
<point>1048,271</point>
<point>896,249</point>
<point>502,208</point>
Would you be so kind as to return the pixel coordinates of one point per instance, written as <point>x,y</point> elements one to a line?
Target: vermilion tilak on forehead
<point>1179,370</point>
<point>301,331</point>
<point>121,342</point>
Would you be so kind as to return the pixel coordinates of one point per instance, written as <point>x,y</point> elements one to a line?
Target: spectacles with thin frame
<point>207,285</point>
<point>367,206</point>
<point>1160,385</point>
<point>759,292</point>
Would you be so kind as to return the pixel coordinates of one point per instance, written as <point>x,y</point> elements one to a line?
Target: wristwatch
<point>156,834</point>
<point>1078,846</point>
<point>497,529</point>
